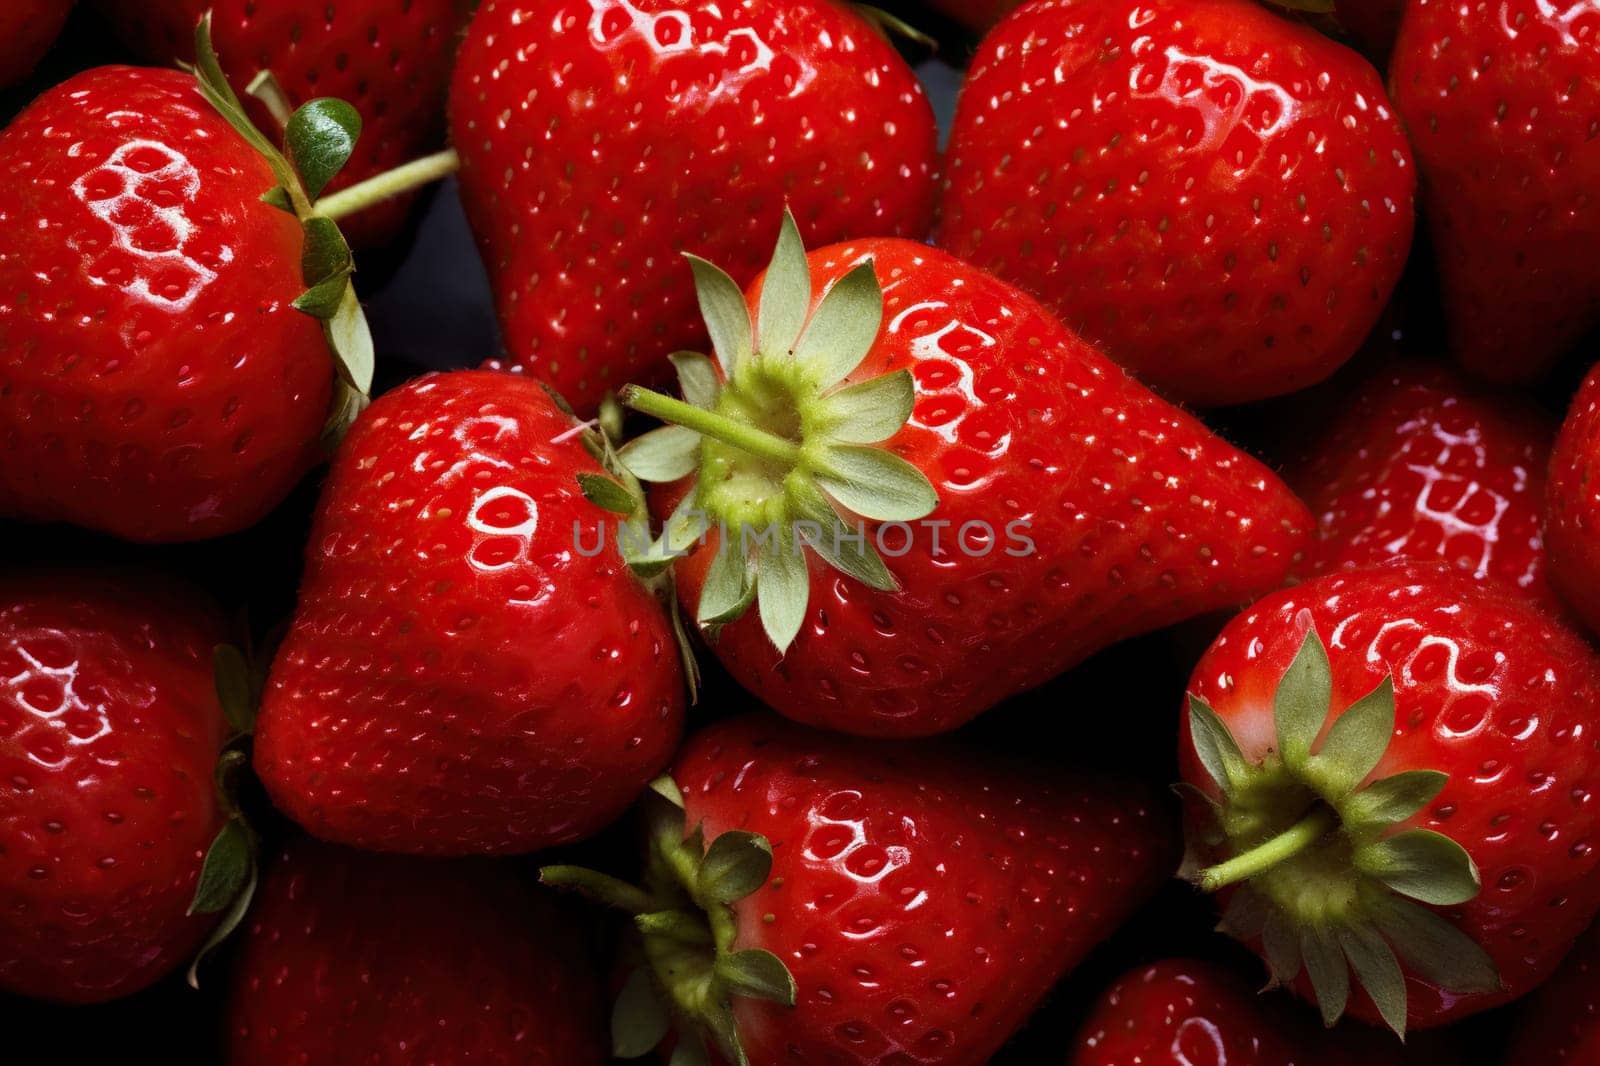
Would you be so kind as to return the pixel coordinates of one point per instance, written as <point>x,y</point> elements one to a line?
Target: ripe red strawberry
<point>908,902</point>
<point>390,58</point>
<point>1440,840</point>
<point>1560,1024</point>
<point>1184,1012</point>
<point>27,30</point>
<point>1500,101</point>
<point>1572,505</point>
<point>1219,197</point>
<point>1071,509</point>
<point>353,957</point>
<point>165,370</point>
<point>109,730</point>
<point>1421,465</point>
<point>601,138</point>
<point>471,669</point>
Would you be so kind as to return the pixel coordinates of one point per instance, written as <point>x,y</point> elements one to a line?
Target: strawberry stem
<point>390,183</point>
<point>602,888</point>
<point>747,438</point>
<point>1265,856</point>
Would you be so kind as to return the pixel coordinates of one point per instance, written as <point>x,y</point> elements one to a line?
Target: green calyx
<point>784,452</point>
<point>318,140</point>
<point>227,881</point>
<point>691,971</point>
<point>1322,868</point>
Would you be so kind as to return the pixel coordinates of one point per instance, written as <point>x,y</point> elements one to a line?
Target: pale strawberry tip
<point>1322,873</point>
<point>778,443</point>
<point>685,921</point>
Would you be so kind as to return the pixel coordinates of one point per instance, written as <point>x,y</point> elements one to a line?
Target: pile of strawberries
<point>779,652</point>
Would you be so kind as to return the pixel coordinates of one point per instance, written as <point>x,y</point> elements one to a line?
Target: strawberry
<point>109,729</point>
<point>1572,505</point>
<point>390,58</point>
<point>1500,100</point>
<point>27,30</point>
<point>867,902</point>
<point>1439,840</point>
<point>471,668</point>
<point>1560,1023</point>
<point>1219,197</point>
<point>1419,464</point>
<point>1184,1012</point>
<point>164,369</point>
<point>600,138</point>
<point>353,957</point>
<point>1072,507</point>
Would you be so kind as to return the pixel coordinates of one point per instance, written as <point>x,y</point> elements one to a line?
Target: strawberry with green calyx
<point>931,493</point>
<point>809,897</point>
<point>1396,819</point>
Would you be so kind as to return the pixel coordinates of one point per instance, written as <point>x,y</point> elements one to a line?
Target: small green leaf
<point>1302,702</point>
<point>665,787</point>
<point>325,254</point>
<point>350,340</point>
<point>758,975</point>
<point>320,136</point>
<point>1378,972</point>
<point>1422,864</point>
<point>1280,940</point>
<point>783,585</point>
<point>848,550</point>
<point>729,587</point>
<point>605,493</point>
<point>841,332</point>
<point>235,690</point>
<point>875,483</point>
<point>1245,916</point>
<point>226,868</point>
<point>639,1020</point>
<point>726,315</point>
<point>1329,973</point>
<point>697,378</point>
<point>870,411</point>
<point>736,864</point>
<point>1215,746</point>
<point>1392,799</point>
<point>224,928</point>
<point>1432,946</point>
<point>346,407</point>
<point>323,299</point>
<point>213,85</point>
<point>785,293</point>
<point>664,454</point>
<point>276,197</point>
<point>1356,742</point>
<point>683,528</point>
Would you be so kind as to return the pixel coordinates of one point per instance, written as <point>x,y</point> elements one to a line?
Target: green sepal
<point>1432,945</point>
<point>229,871</point>
<point>1300,705</point>
<point>697,378</point>
<point>849,551</point>
<point>213,85</point>
<point>325,263</point>
<point>681,531</point>
<point>729,587</point>
<point>870,411</point>
<point>277,197</point>
<point>1356,742</point>
<point>690,1050</point>
<point>350,340</point>
<point>1329,973</point>
<point>639,1019</point>
<point>876,484</point>
<point>1421,864</point>
<point>348,403</point>
<point>230,921</point>
<point>783,585</point>
<point>225,869</point>
<point>320,136</point>
<point>726,315</point>
<point>735,865</point>
<point>1215,746</point>
<point>662,455</point>
<point>1379,973</point>
<point>607,494</point>
<point>843,327</point>
<point>785,293</point>
<point>1393,799</point>
<point>1280,941</point>
<point>758,975</point>
<point>237,690</point>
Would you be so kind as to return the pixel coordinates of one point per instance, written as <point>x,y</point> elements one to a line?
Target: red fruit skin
<point>1500,101</point>
<point>1572,505</point>
<point>1490,690</point>
<point>458,678</point>
<point>1184,1012</point>
<point>354,957</point>
<point>922,898</point>
<point>155,381</point>
<point>599,141</point>
<point>389,58</point>
<point>1421,464</point>
<point>1140,516</point>
<point>1560,1023</point>
<point>1217,197</point>
<point>27,30</point>
<point>109,732</point>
